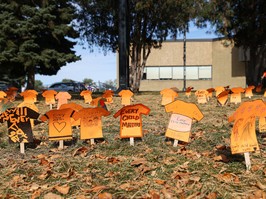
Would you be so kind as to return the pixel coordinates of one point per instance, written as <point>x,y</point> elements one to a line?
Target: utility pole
<point>184,56</point>
<point>123,38</point>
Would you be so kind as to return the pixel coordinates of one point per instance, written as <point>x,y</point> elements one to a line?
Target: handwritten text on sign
<point>180,123</point>
<point>134,118</point>
<point>131,121</point>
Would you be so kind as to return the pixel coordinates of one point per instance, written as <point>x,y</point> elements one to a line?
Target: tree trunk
<point>139,58</point>
<point>30,77</point>
<point>135,69</point>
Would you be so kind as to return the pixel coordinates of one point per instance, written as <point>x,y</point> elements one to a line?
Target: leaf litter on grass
<point>153,168</point>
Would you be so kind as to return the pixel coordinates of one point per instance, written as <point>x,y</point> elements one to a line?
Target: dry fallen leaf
<point>82,151</point>
<point>222,158</point>
<point>113,160</point>
<point>62,189</point>
<point>34,187</point>
<point>138,162</point>
<point>51,195</point>
<point>105,195</point>
<point>154,194</point>
<point>125,186</point>
<point>159,181</point>
<point>36,194</point>
<point>44,162</point>
<point>45,174</point>
<point>98,188</point>
<point>167,194</point>
<point>260,185</point>
<point>228,177</point>
<point>212,195</point>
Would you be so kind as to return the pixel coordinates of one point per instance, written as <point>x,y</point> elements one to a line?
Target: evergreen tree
<point>36,37</point>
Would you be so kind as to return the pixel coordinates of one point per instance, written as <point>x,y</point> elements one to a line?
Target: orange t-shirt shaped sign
<point>201,96</point>
<point>126,96</point>
<point>59,123</point>
<point>87,96</point>
<point>243,136</point>
<point>183,113</point>
<point>168,96</point>
<point>18,121</point>
<point>91,122</point>
<point>236,95</point>
<point>49,96</point>
<point>62,98</point>
<point>30,96</point>
<point>130,120</point>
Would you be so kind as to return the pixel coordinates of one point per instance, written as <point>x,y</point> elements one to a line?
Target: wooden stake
<point>175,143</point>
<point>247,160</point>
<point>61,144</point>
<point>22,147</point>
<point>131,140</point>
<point>92,141</point>
<point>51,106</point>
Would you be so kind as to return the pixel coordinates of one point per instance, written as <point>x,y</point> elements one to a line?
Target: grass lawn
<point>151,169</point>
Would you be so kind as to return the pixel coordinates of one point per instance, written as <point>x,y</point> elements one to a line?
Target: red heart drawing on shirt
<point>59,126</point>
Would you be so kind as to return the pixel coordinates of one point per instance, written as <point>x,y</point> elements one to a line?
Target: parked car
<point>3,85</point>
<point>67,86</point>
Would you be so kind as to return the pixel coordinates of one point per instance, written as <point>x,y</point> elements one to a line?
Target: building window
<point>166,73</point>
<point>177,72</point>
<point>152,73</point>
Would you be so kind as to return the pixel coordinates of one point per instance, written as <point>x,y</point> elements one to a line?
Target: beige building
<point>209,63</point>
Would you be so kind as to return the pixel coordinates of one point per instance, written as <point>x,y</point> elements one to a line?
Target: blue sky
<point>100,67</point>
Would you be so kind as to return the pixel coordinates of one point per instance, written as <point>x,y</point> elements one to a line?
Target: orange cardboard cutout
<point>249,91</point>
<point>243,136</point>
<point>18,121</point>
<point>49,96</point>
<point>108,95</point>
<point>235,98</point>
<point>11,93</point>
<point>222,98</point>
<point>75,107</point>
<point>168,96</point>
<point>126,96</point>
<point>91,122</point>
<point>2,95</point>
<point>99,102</point>
<point>262,124</point>
<point>29,96</point>
<point>201,96</point>
<point>31,106</point>
<point>218,90</point>
<point>87,96</point>
<point>131,121</point>
<point>59,123</point>
<point>62,98</point>
<point>188,91</point>
<point>183,113</point>
<point>236,95</point>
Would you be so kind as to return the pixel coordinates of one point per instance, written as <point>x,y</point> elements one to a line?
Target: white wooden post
<point>22,147</point>
<point>61,144</point>
<point>247,160</point>
<point>92,141</point>
<point>175,143</point>
<point>131,140</point>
